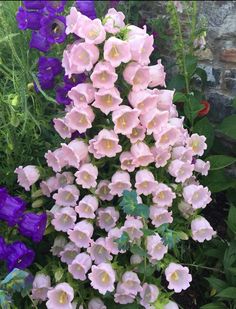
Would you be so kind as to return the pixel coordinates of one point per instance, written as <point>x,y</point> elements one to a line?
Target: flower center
<point>105,278</point>
<point>63,298</point>
<point>114,52</point>
<point>175,276</point>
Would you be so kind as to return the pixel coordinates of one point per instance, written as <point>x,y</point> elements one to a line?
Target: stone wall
<point>219,57</point>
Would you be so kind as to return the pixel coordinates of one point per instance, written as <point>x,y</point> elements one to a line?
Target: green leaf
<point>191,64</point>
<point>220,161</point>
<point>177,82</point>
<point>231,222</point>
<point>229,292</point>
<point>123,241</point>
<point>204,127</point>
<point>218,181</point>
<point>129,202</point>
<point>191,108</point>
<point>135,249</point>
<point>213,306</point>
<point>228,126</point>
<point>230,261</point>
<point>202,74</point>
<point>142,211</point>
<point>148,269</point>
<point>234,103</point>
<point>147,232</point>
<point>179,97</point>
<point>216,283</point>
<point>5,300</point>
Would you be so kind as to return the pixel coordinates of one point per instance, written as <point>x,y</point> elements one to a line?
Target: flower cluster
<point>12,211</point>
<point>130,178</point>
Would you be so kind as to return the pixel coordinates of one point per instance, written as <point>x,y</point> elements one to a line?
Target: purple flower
<point>53,28</point>
<point>33,226</point>
<point>75,79</point>
<point>39,42</point>
<point>11,208</point>
<point>19,256</point>
<point>28,20</point>
<point>62,95</point>
<point>45,83</point>
<point>114,3</point>
<point>55,6</point>
<point>87,8</point>
<point>3,249</point>
<point>34,5</point>
<point>49,67</point>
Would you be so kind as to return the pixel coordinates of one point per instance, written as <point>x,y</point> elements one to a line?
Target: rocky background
<point>219,57</point>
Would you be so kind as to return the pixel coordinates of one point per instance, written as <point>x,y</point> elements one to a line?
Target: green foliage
<point>130,206</point>
<point>220,161</point>
<point>123,241</point>
<point>228,126</point>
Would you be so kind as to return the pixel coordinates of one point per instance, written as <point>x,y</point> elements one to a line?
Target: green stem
<point>32,301</point>
<point>204,267</point>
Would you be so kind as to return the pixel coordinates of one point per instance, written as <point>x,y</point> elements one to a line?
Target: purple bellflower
<point>55,6</point>
<point>39,42</point>
<point>53,28</point>
<point>33,226</point>
<point>28,20</point>
<point>34,5</point>
<point>3,249</point>
<point>87,8</point>
<point>19,256</point>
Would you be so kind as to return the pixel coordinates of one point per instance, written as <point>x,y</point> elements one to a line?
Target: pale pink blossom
<point>122,296</point>
<point>161,155</point>
<point>107,143</point>
<point>180,170</point>
<point>91,148</point>
<point>64,219</point>
<point>133,227</point>
<point>145,182</point>
<point>102,278</point>
<point>185,209</point>
<point>178,277</point>
<point>107,218</point>
<point>82,94</point>
<point>114,21</point>
<point>167,137</point>
<point>164,99</point>
<point>27,176</point>
<point>104,75</point>
<point>75,153</point>
<point>80,266</point>
<point>96,303</point>
<point>81,234</point>
<point>87,207</point>
<point>163,195</point>
<point>178,5</point>
<point>80,118</point>
<point>125,119</point>
<point>182,153</point>
<point>160,215</point>
<point>201,230</point>
<point>70,251</point>
<point>87,176</point>
<point>126,160</point>
<point>112,235</point>
<point>116,51</point>
<point>55,159</point>
<point>107,100</point>
<point>131,282</point>
<point>99,252</point>
<point>141,45</point>
<point>58,245</point>
<point>67,196</point>
<point>103,191</point>
<point>66,178</point>
<point>137,134</point>
<point>137,76</point>
<point>50,185</point>
<point>142,154</point>
<point>202,167</point>
<point>120,181</point>
<point>197,143</point>
<point>148,294</point>
<point>154,120</point>
<point>41,285</point>
<point>60,297</point>
<point>93,32</point>
<point>155,248</point>
<point>135,259</point>
<point>144,100</point>
<point>62,128</point>
<point>75,21</point>
<point>79,57</point>
<point>197,195</point>
<point>157,75</point>
<point>171,305</point>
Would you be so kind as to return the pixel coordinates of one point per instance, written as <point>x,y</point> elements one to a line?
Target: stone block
<point>228,55</point>
<point>221,106</point>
